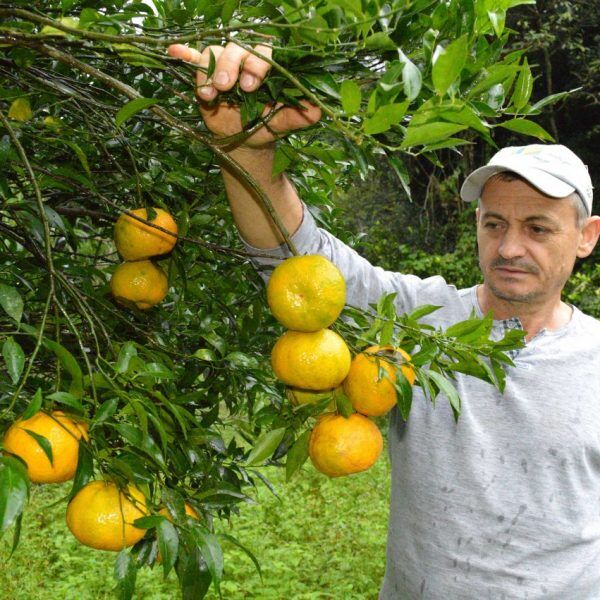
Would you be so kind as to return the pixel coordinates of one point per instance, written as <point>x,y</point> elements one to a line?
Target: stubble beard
<point>526,298</point>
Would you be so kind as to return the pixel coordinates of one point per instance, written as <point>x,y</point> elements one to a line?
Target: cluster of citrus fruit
<point>100,514</point>
<point>306,294</point>
<point>138,281</point>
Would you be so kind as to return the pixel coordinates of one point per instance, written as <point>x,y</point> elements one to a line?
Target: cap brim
<point>547,184</point>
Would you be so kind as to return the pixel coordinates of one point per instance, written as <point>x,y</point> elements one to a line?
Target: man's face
<point>527,241</point>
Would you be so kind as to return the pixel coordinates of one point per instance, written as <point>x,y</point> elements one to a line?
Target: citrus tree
<point>143,372</point>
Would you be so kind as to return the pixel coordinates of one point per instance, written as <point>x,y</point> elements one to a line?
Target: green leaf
<point>404,394</point>
<point>423,311</point>
<point>149,522</point>
<point>11,302</point>
<point>85,469</point>
<point>137,57</point>
<point>14,357</point>
<point>551,99</point>
<point>80,155</point>
<point>380,41</point>
<point>229,7</point>
<point>401,172</point>
<point>249,554</point>
<point>448,63</point>
<point>193,574</point>
<point>66,399</point>
<point>297,455</point>
<point>168,544</point>
<point>324,83</point>
<point>20,110</point>
<point>212,63</point>
<point>471,329</point>
<point>351,97</point>
<point>125,573</point>
<point>385,117</point>
<point>527,127</point>
<point>157,370</point>
<point>447,388</point>
<point>14,491</point>
<point>212,554</point>
<point>70,365</point>
<point>264,446</point>
<point>343,405</point>
<point>497,19</point>
<point>412,79</point>
<point>106,411</point>
<point>285,155</point>
<point>523,87</point>
<point>43,443</point>
<point>495,96</point>
<point>429,133</point>
<point>385,305</point>
<point>239,359</point>
<point>205,354</point>
<point>17,534</point>
<point>387,333</point>
<point>34,406</point>
<point>131,108</point>
<point>494,75</point>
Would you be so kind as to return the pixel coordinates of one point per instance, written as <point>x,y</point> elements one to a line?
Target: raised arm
<point>255,154</point>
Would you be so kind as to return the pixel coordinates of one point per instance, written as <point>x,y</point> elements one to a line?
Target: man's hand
<point>233,63</point>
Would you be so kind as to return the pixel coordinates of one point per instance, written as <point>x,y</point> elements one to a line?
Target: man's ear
<point>477,215</point>
<point>588,237</point>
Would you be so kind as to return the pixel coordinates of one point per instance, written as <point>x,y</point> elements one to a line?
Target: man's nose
<point>512,245</point>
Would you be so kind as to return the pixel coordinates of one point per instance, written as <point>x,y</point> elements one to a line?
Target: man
<point>505,503</point>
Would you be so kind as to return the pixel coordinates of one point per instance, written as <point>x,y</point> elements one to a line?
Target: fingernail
<point>247,81</point>
<point>207,91</point>
<point>221,78</point>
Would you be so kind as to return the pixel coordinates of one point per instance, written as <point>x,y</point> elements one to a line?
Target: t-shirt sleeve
<point>365,283</point>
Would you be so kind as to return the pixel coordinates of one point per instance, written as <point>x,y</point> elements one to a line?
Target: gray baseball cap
<point>553,169</point>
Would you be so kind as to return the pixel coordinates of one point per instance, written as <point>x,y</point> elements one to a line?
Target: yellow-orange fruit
<point>136,240</point>
<point>306,293</point>
<point>63,435</point>
<point>370,393</point>
<point>141,283</point>
<point>101,516</point>
<point>341,446</point>
<point>313,361</point>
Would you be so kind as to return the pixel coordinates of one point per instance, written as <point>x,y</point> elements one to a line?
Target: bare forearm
<point>252,219</point>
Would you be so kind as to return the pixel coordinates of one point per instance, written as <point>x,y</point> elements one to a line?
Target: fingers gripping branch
<point>231,62</point>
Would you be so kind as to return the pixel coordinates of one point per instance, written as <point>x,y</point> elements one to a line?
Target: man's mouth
<point>506,268</point>
<point>512,271</point>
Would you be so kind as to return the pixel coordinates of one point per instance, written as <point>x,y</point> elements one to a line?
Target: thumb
<point>290,118</point>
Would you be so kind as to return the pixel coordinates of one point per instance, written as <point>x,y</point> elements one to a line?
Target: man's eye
<point>538,229</point>
<point>491,225</point>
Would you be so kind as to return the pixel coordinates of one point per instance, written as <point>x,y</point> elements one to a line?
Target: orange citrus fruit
<point>341,446</point>
<point>141,283</point>
<point>136,240</point>
<point>313,361</point>
<point>370,393</point>
<point>306,293</point>
<point>63,435</point>
<point>300,397</point>
<point>189,511</point>
<point>101,516</point>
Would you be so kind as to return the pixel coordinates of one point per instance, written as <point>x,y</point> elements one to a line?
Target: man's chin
<point>511,294</point>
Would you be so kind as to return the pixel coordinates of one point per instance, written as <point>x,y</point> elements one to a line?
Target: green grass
<point>322,539</point>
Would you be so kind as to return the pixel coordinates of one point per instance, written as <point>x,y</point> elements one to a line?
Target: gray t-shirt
<point>506,502</point>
